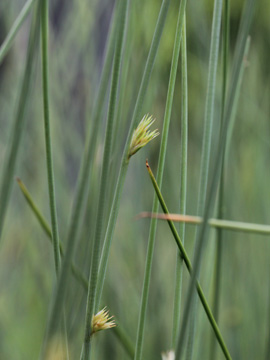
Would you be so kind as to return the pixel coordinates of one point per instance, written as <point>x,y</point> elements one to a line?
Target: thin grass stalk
<point>99,102</point>
<point>81,216</point>
<point>120,334</point>
<point>116,151</point>
<point>124,84</point>
<point>119,129</point>
<point>49,158</point>
<point>206,146</point>
<point>251,228</point>
<point>8,42</point>
<point>40,218</point>
<point>225,50</point>
<point>90,307</point>
<point>82,189</point>
<point>98,109</point>
<point>239,57</point>
<point>161,162</point>
<point>209,105</point>
<point>183,185</point>
<point>46,110</point>
<point>221,204</point>
<point>185,258</point>
<point>125,158</point>
<point>19,119</point>
<point>235,103</point>
<point>46,228</point>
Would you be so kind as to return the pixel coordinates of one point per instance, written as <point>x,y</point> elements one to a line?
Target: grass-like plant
<point>121,20</point>
<point>183,186</point>
<point>126,153</point>
<point>20,114</point>
<point>82,188</point>
<point>189,266</point>
<point>161,163</point>
<point>221,203</point>
<point>46,110</point>
<point>95,89</point>
<point>206,151</point>
<point>76,271</point>
<point>239,57</point>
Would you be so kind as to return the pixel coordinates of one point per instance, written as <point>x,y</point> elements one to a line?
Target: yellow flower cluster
<point>102,321</point>
<point>141,135</point>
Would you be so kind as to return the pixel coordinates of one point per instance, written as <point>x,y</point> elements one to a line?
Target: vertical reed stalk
<point>239,57</point>
<point>189,266</point>
<point>90,307</point>
<point>246,227</point>
<point>19,119</point>
<point>161,162</point>
<point>221,204</point>
<point>125,159</point>
<point>120,334</point>
<point>82,190</point>
<point>46,109</point>
<point>206,146</point>
<point>183,185</point>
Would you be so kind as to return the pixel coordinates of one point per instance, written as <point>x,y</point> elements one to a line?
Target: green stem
<point>189,266</point>
<point>81,191</point>
<point>110,231</point>
<point>42,221</point>
<point>90,307</point>
<point>118,130</point>
<point>217,283</point>
<point>183,186</point>
<point>206,146</point>
<point>77,273</point>
<point>7,43</point>
<point>161,163</point>
<point>209,105</point>
<point>237,226</point>
<point>124,163</point>
<point>226,48</point>
<point>19,119</point>
<point>45,82</point>
<point>221,204</point>
<point>239,57</point>
<point>46,228</point>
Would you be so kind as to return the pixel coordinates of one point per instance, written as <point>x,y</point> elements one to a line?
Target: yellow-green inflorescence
<point>169,355</point>
<point>102,321</point>
<point>141,135</point>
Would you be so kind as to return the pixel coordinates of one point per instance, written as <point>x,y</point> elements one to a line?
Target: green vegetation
<point>80,85</point>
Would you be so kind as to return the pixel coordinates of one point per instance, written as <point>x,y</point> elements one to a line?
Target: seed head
<point>169,355</point>
<point>141,135</point>
<point>102,321</point>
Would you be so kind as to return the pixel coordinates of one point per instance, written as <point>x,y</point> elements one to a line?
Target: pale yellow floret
<point>102,321</point>
<point>169,355</point>
<point>141,135</point>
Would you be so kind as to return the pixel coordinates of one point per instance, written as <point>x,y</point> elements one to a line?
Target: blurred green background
<point>78,32</point>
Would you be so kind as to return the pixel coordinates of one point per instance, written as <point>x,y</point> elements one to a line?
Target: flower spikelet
<point>169,355</point>
<point>102,321</point>
<point>141,135</point>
